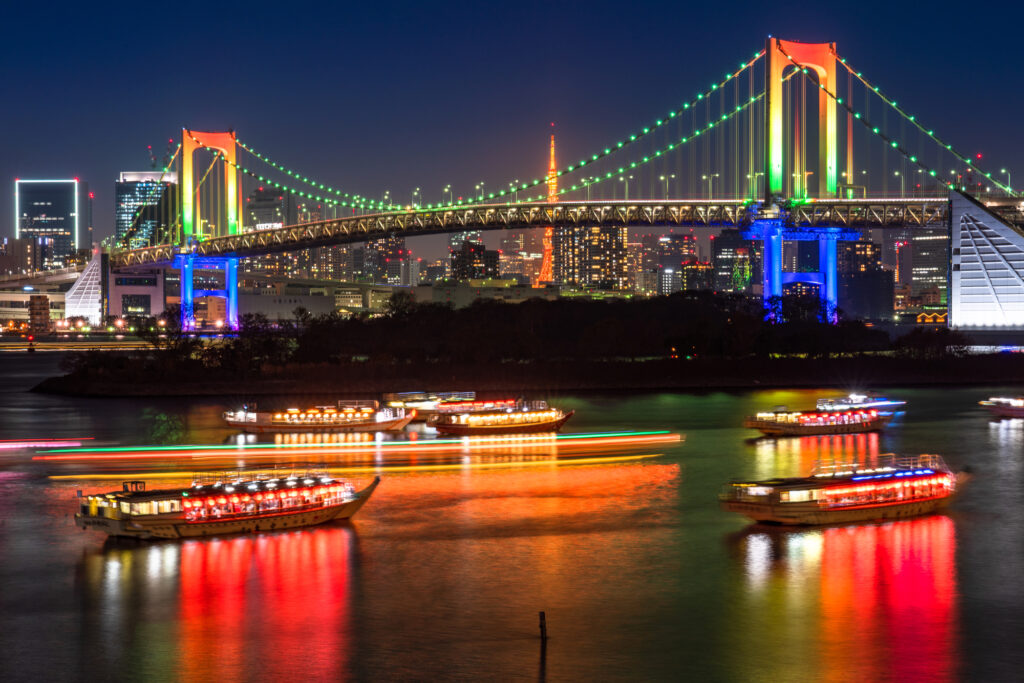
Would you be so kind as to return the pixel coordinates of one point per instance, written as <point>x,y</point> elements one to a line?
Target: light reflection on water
<point>442,575</point>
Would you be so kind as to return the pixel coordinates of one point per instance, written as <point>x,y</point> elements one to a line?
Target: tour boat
<point>222,505</point>
<point>347,416</point>
<point>506,416</point>
<point>891,489</point>
<point>1002,406</point>
<point>860,402</point>
<point>817,422</point>
<point>426,403</point>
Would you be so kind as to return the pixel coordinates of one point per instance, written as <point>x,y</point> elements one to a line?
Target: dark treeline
<point>686,326</point>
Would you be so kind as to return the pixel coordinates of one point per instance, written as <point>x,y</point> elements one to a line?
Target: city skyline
<point>382,147</point>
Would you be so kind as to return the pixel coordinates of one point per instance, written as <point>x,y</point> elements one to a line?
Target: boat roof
<point>132,491</point>
<point>888,466</point>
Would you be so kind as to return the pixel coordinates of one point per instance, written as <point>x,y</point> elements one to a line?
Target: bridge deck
<point>847,213</point>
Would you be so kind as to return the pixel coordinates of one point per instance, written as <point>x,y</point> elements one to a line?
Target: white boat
<point>1004,406</point>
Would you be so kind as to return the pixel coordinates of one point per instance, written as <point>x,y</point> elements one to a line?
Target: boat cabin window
<point>797,496</point>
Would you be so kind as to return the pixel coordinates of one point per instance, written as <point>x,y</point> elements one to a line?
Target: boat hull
<point>812,515</point>
<point>268,427</point>
<point>175,527</point>
<point>485,430</point>
<point>1001,411</point>
<point>770,428</point>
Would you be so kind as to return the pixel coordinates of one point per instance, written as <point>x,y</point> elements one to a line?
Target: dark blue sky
<point>395,95</point>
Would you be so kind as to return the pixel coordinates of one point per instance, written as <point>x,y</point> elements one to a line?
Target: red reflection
<point>288,589</point>
<point>888,597</point>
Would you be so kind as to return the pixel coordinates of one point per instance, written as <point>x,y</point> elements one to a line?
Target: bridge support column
<point>772,232</point>
<point>188,264</point>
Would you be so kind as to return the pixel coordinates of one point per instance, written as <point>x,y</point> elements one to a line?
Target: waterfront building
<point>145,208</point>
<point>23,255</point>
<point>53,210</point>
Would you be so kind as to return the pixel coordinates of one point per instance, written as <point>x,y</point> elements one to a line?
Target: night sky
<point>394,95</point>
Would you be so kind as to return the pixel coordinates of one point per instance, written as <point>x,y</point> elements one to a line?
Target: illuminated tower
<point>546,271</point>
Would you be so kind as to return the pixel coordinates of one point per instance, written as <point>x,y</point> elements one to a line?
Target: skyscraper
<point>474,262</point>
<point>929,261</point>
<point>51,209</point>
<point>145,208</point>
<point>268,209</point>
<point>590,257</point>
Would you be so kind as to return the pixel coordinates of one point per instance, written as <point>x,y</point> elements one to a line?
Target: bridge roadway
<point>684,213</point>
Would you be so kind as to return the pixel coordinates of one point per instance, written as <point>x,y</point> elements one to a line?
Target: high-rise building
<point>269,209</point>
<point>865,287</point>
<point>23,255</point>
<point>456,239</point>
<point>385,260</point>
<point>473,262</point>
<point>590,257</point>
<point>929,261</point>
<point>145,208</point>
<point>737,262</point>
<point>53,210</point>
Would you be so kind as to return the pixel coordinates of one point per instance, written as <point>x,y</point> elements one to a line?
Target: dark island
<point>692,340</point>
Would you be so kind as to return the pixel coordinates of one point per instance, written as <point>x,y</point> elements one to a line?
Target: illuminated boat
<point>891,489</point>
<point>347,416</point>
<point>226,505</point>
<point>860,402</point>
<point>509,416</point>
<point>426,403</point>
<point>817,422</point>
<point>1001,406</point>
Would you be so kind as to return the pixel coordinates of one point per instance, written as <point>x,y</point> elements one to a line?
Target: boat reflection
<point>205,602</point>
<point>797,457</point>
<point>863,602</point>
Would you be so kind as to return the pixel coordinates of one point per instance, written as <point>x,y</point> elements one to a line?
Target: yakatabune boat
<point>226,505</point>
<point>860,402</point>
<point>1004,406</point>
<point>347,416</point>
<point>815,422</point>
<point>498,417</point>
<point>891,489</point>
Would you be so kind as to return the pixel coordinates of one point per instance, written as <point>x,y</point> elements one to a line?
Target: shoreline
<point>567,376</point>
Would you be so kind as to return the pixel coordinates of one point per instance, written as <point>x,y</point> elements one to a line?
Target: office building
<point>53,210</point>
<point>145,208</point>
<point>929,261</point>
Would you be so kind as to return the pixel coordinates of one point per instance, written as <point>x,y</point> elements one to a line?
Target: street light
<point>903,189</point>
<point>757,182</point>
<point>448,189</point>
<point>626,179</point>
<point>1009,182</point>
<point>480,190</point>
<point>711,181</point>
<point>413,198</point>
<point>665,179</point>
<point>514,185</point>
<point>803,178</point>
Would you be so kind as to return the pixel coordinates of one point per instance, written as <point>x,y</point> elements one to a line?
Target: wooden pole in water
<point>543,627</point>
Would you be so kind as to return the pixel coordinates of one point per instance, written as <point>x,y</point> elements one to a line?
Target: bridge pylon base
<point>772,231</point>
<point>188,264</point>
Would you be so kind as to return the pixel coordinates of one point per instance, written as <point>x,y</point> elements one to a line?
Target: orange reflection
<point>791,457</point>
<point>865,602</point>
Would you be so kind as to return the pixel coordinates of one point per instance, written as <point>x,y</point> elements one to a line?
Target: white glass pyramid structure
<point>84,299</point>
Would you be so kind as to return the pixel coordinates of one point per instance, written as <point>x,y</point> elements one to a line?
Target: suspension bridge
<point>792,144</point>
